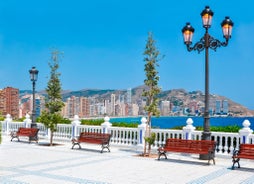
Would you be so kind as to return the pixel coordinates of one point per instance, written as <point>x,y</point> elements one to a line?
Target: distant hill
<point>178,97</point>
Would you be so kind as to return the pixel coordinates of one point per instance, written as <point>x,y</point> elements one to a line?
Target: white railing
<point>87,128</point>
<point>124,136</point>
<point>163,134</point>
<point>131,137</point>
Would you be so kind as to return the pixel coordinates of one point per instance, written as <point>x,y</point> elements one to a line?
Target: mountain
<point>179,97</point>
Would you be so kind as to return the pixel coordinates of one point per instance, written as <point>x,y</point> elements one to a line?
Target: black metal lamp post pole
<point>33,76</point>
<point>206,133</point>
<point>205,43</point>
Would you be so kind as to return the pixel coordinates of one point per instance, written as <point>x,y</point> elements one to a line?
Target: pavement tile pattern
<point>24,163</point>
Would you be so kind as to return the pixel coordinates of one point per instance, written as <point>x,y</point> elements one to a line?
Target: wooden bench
<point>204,147</point>
<point>245,151</point>
<point>31,133</point>
<point>94,138</point>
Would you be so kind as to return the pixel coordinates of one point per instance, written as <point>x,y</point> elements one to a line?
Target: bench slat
<point>188,146</point>
<point>94,138</point>
<point>246,151</point>
<point>31,133</point>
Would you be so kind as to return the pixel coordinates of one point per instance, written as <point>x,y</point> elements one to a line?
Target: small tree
<point>54,104</point>
<point>151,62</point>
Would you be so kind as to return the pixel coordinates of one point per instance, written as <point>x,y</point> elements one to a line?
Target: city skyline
<point>103,45</point>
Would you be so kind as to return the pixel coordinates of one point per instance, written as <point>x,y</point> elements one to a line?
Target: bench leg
<point>211,157</point>
<point>103,146</point>
<point>33,138</point>
<point>235,160</point>
<point>75,143</point>
<point>14,136</point>
<point>162,153</point>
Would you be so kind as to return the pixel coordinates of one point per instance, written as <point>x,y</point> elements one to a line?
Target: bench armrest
<point>74,140</point>
<point>235,153</point>
<point>13,133</point>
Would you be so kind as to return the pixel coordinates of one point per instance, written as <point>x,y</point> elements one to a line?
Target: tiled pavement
<point>24,163</point>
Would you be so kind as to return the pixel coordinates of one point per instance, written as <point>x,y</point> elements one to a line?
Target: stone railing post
<point>74,124</point>
<point>7,121</point>
<point>245,132</point>
<point>27,121</point>
<point>106,125</point>
<point>141,133</point>
<point>188,129</point>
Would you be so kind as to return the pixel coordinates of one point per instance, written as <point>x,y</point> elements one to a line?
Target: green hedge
<point>230,128</point>
<point>98,122</point>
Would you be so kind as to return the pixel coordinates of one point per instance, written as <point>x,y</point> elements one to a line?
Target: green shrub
<point>124,124</point>
<point>229,128</point>
<point>96,122</point>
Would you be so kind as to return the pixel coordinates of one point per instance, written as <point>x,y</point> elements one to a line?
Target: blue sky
<point>103,44</point>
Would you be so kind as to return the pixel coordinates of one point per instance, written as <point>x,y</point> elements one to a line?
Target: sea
<point>171,122</point>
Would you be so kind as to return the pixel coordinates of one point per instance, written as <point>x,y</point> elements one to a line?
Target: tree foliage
<point>54,104</point>
<point>151,94</point>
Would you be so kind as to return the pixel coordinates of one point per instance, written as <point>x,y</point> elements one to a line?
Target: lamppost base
<point>205,136</point>
<point>33,125</point>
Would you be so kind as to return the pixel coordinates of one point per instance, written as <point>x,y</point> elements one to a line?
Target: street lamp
<point>205,43</point>
<point>33,76</point>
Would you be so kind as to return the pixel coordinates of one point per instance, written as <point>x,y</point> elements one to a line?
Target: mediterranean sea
<point>171,122</point>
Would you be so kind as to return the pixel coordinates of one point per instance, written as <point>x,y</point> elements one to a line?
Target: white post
<point>188,129</point>
<point>106,125</point>
<point>141,133</point>
<point>48,133</point>
<point>7,121</point>
<point>27,121</point>
<point>245,132</point>
<point>75,123</point>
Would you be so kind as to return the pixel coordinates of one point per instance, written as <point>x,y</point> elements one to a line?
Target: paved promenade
<point>23,163</point>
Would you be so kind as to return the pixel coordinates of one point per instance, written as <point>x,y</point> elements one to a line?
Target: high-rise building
<point>164,107</point>
<point>218,107</point>
<point>113,103</point>
<point>84,107</point>
<point>129,102</point>
<point>225,107</point>
<point>9,102</point>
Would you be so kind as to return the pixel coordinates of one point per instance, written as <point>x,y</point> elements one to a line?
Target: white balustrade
<point>88,128</point>
<point>124,136</point>
<point>163,134</point>
<point>226,142</point>
<point>63,131</point>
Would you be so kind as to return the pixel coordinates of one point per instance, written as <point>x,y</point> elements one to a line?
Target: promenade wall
<point>133,138</point>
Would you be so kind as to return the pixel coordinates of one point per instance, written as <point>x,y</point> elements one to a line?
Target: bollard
<point>7,120</point>
<point>27,121</point>
<point>75,123</point>
<point>188,129</point>
<point>106,125</point>
<point>245,132</point>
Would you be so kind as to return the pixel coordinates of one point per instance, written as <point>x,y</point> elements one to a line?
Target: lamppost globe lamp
<point>207,16</point>
<point>33,76</point>
<point>188,32</point>
<point>207,42</point>
<point>227,26</point>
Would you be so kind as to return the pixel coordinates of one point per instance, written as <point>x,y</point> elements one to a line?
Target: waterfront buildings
<point>116,104</point>
<point>9,101</point>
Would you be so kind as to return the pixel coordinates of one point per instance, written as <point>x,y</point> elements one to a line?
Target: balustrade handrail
<point>226,141</point>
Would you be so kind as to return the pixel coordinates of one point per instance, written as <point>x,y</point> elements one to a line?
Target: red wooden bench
<point>94,138</point>
<point>245,151</point>
<point>31,133</point>
<point>204,147</point>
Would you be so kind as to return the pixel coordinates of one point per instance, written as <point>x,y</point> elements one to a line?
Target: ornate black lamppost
<point>205,43</point>
<point>33,76</point>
